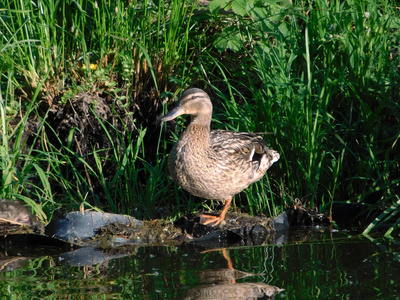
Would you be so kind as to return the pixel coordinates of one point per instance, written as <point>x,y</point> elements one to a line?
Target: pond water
<point>304,264</point>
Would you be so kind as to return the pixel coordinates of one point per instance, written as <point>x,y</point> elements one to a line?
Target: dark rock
<point>300,216</point>
<point>281,222</point>
<point>237,229</point>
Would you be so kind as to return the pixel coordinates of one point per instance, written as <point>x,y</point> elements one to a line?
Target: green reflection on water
<point>320,267</point>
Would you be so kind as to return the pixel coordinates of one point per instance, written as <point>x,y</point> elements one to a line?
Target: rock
<point>76,225</point>
<point>238,229</point>
<point>281,222</point>
<point>300,216</point>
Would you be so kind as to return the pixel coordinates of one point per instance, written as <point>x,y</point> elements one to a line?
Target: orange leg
<point>215,220</point>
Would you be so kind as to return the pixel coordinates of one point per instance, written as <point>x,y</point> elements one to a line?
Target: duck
<point>214,164</point>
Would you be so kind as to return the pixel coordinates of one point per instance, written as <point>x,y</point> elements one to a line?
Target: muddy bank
<point>107,230</point>
<point>88,238</point>
<point>111,230</point>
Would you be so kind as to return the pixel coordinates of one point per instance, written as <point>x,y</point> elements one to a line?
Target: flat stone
<point>76,225</point>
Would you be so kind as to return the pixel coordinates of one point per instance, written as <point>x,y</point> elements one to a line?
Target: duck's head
<point>194,102</point>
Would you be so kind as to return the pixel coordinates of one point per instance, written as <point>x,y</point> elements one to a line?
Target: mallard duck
<point>214,164</point>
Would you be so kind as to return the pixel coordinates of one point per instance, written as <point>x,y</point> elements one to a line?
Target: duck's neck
<point>203,119</point>
<point>197,135</point>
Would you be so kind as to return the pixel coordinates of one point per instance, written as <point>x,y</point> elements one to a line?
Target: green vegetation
<point>318,265</point>
<point>83,83</point>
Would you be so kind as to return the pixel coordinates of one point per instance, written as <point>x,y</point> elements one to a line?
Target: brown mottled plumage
<point>214,164</point>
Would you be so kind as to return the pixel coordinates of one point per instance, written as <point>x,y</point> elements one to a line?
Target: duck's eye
<point>194,97</point>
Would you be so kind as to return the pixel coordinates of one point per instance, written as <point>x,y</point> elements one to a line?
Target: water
<point>310,265</point>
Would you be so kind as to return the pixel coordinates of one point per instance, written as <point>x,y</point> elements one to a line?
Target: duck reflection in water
<point>221,285</point>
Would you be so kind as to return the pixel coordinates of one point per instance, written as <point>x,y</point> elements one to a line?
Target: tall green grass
<point>22,175</point>
<point>324,79</point>
<point>52,51</point>
<point>86,41</point>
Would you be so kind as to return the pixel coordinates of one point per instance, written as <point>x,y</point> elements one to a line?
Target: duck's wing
<point>239,147</point>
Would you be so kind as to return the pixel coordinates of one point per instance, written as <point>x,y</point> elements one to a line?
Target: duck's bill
<point>177,111</point>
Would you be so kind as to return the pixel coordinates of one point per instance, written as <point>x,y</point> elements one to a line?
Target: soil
<point>98,121</point>
<point>89,112</point>
<point>237,229</point>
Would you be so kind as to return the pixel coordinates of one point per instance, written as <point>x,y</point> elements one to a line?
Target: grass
<point>323,79</point>
<point>22,176</point>
<point>320,78</point>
